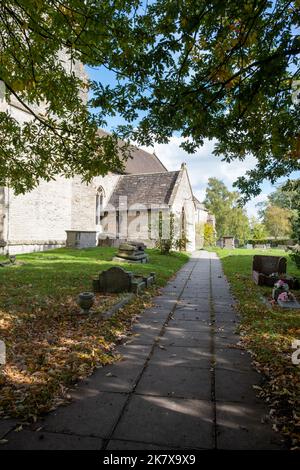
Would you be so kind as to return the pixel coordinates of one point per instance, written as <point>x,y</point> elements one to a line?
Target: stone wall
<point>39,217</point>
<point>83,212</point>
<point>183,198</point>
<point>38,220</point>
<point>201,217</point>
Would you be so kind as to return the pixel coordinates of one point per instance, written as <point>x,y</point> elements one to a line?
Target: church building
<point>133,204</point>
<point>111,209</point>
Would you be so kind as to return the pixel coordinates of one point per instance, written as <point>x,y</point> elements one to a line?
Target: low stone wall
<point>22,246</point>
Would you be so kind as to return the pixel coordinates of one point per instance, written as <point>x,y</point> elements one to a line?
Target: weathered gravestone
<point>228,242</point>
<point>116,280</point>
<point>113,280</point>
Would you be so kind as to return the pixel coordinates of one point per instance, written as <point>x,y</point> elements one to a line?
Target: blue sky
<point>202,164</point>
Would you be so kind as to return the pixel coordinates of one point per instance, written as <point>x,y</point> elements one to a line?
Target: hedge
<point>272,242</point>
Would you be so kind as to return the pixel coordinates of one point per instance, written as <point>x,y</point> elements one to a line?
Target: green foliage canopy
<point>217,70</point>
<point>286,196</point>
<point>277,221</point>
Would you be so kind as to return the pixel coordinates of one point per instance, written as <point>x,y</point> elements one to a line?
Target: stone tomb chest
<point>132,252</point>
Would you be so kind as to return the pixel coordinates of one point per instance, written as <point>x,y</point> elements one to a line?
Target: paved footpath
<point>181,385</point>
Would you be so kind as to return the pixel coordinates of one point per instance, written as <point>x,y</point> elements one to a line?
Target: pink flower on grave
<point>281,284</point>
<point>283,297</point>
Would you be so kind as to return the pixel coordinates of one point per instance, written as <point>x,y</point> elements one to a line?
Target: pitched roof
<point>140,160</point>
<point>146,189</point>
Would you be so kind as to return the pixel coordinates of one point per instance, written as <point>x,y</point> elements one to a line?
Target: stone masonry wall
<point>83,212</point>
<point>41,216</point>
<point>184,198</point>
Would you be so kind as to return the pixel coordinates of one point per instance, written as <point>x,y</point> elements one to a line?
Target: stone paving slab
<point>134,353</point>
<point>145,333</point>
<point>195,297</point>
<point>233,359</point>
<point>177,284</point>
<point>188,304</point>
<point>196,290</point>
<point>167,421</point>
<point>221,319</point>
<point>120,377</point>
<point>196,325</point>
<point>115,444</point>
<point>224,307</point>
<point>31,440</point>
<point>236,386</point>
<point>164,302</point>
<point>190,314</point>
<point>226,328</point>
<point>243,427</point>
<point>165,381</point>
<point>93,414</point>
<point>143,322</point>
<point>188,338</point>
<point>223,341</point>
<point>200,309</point>
<point>157,315</point>
<point>181,357</point>
<point>6,425</point>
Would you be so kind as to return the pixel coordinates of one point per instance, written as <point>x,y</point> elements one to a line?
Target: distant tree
<point>258,230</point>
<point>231,218</point>
<point>239,224</point>
<point>286,196</point>
<point>293,189</point>
<point>277,221</point>
<point>209,235</point>
<point>219,201</point>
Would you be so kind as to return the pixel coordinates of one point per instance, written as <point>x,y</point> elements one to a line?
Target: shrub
<point>164,245</point>
<point>295,255</point>
<point>209,235</point>
<point>272,241</point>
<point>181,243</point>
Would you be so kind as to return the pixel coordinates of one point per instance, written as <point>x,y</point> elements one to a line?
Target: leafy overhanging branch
<point>216,70</point>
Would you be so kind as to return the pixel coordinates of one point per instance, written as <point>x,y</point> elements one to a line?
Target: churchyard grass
<point>49,343</point>
<point>268,334</point>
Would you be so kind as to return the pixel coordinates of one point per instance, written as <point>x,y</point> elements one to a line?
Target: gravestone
<point>113,280</point>
<point>116,280</point>
<point>228,242</point>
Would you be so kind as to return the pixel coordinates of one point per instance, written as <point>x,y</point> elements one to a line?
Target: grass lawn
<point>49,344</point>
<point>268,334</point>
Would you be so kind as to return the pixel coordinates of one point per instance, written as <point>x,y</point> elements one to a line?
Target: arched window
<point>99,204</point>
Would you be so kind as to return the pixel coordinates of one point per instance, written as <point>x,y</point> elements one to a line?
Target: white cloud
<point>202,165</point>
<point>250,206</point>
